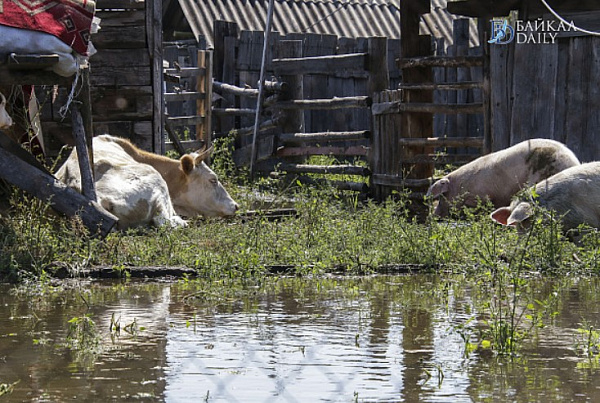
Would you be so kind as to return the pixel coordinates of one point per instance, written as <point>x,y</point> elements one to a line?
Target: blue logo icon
<point>502,32</point>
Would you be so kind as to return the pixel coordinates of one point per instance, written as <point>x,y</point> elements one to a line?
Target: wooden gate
<point>188,96</point>
<point>405,148</point>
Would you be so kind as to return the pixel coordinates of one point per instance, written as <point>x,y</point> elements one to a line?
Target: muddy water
<point>385,338</point>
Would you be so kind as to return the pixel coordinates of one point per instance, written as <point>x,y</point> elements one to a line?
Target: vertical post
<point>294,119</point>
<point>261,84</point>
<point>488,139</point>
<point>204,86</point>
<point>87,178</point>
<point>377,65</point>
<point>154,39</point>
<point>414,45</point>
<point>226,123</point>
<point>86,112</point>
<point>461,44</point>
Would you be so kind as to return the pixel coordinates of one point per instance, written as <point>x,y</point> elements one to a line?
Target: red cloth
<point>69,20</point>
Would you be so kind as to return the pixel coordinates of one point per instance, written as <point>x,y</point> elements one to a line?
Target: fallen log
<point>62,198</point>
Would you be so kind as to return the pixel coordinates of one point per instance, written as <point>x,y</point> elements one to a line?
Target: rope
<point>571,24</point>
<point>65,108</point>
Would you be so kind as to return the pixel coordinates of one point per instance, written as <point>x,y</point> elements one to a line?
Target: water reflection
<point>379,338</point>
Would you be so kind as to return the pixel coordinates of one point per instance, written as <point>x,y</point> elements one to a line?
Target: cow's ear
<point>501,215</point>
<point>187,164</point>
<point>202,155</point>
<point>438,188</point>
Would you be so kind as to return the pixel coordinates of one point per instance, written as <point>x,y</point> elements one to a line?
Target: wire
<point>585,31</point>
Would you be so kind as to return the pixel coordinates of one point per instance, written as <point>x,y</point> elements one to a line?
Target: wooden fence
<point>188,96</point>
<point>237,62</point>
<point>437,117</point>
<point>285,140</point>
<point>547,90</point>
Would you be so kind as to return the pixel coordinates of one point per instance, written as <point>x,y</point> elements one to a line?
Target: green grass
<point>331,232</point>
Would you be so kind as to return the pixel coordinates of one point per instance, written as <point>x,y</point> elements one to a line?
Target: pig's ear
<point>438,188</point>
<point>520,213</point>
<point>501,215</point>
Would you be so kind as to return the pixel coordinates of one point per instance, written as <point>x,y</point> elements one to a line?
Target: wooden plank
<point>399,106</point>
<point>62,198</point>
<point>185,120</point>
<point>122,58</point>
<point>351,186</point>
<point>440,61</point>
<point>320,64</point>
<point>184,145</point>
<point>442,86</point>
<point>328,150</point>
<point>26,62</point>
<point>324,136</point>
<point>442,142</point>
<point>233,111</point>
<point>324,169</point>
<point>264,147</point>
<point>119,37</point>
<point>377,65</point>
<point>186,72</point>
<point>327,104</point>
<point>394,180</point>
<point>154,38</point>
<point>183,96</point>
<point>117,76</point>
<point>441,158</point>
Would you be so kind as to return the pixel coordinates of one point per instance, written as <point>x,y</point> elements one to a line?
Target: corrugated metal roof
<point>344,18</point>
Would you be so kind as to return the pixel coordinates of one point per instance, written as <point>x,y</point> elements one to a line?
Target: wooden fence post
<point>293,121</point>
<point>377,65</point>
<point>203,104</point>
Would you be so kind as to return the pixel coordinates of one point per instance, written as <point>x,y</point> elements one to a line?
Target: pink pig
<point>572,194</point>
<point>498,176</point>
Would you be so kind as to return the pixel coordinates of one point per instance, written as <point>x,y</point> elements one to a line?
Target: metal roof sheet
<point>343,18</point>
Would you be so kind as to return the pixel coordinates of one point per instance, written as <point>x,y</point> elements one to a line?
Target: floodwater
<point>380,338</point>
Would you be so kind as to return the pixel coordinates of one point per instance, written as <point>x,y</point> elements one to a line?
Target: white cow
<point>5,119</point>
<point>142,188</point>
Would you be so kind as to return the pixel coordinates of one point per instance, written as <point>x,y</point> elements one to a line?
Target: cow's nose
<point>236,207</point>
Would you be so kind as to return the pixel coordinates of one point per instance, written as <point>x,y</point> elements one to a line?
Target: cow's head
<point>5,119</point>
<point>200,192</point>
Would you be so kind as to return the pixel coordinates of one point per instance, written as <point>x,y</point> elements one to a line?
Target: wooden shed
<point>126,78</point>
<point>546,82</point>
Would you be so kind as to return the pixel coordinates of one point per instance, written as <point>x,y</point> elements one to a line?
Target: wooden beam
<point>397,107</point>
<point>327,104</point>
<point>442,86</point>
<point>306,151</point>
<point>324,169</point>
<point>234,90</point>
<point>62,198</point>
<point>440,61</point>
<point>352,62</point>
<point>476,142</point>
<point>183,96</point>
<point>234,111</point>
<point>324,136</point>
<point>185,120</point>
<point>185,72</point>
